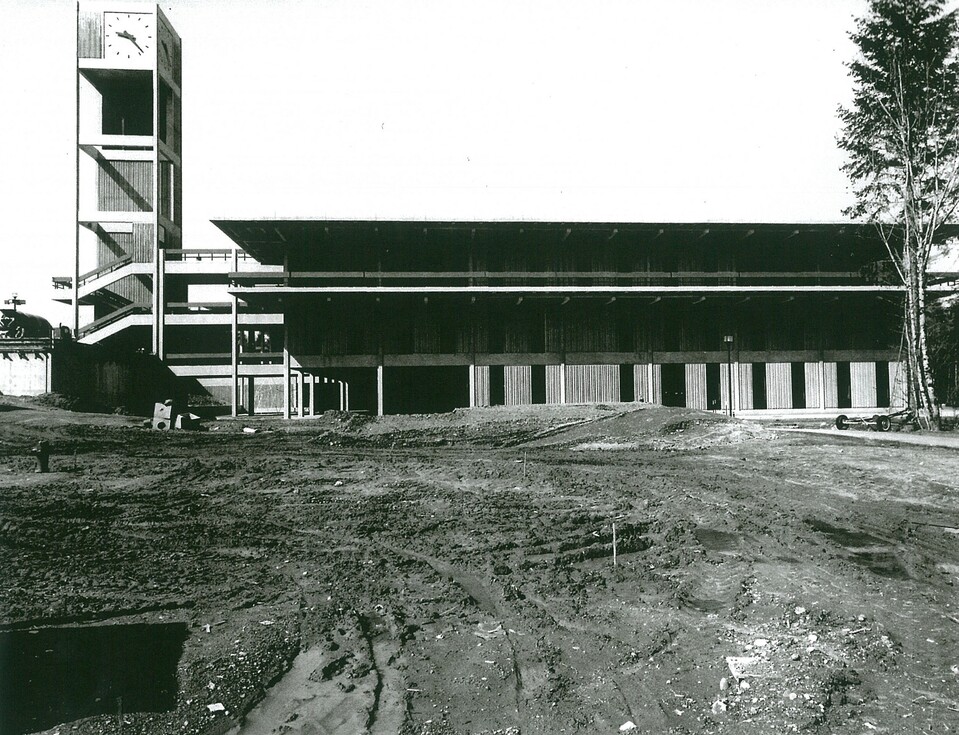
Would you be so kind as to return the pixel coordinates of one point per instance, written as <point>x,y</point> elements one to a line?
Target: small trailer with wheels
<point>880,422</point>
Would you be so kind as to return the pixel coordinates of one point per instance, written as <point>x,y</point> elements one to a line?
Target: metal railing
<point>103,270</point>
<point>181,254</point>
<point>114,316</point>
<point>553,278</point>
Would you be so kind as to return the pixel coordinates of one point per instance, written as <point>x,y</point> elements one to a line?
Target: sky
<point>607,110</point>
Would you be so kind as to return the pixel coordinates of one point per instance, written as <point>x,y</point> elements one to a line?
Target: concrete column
<point>822,385</point>
<point>734,381</point>
<point>300,394</point>
<point>160,317</point>
<point>649,381</point>
<point>76,232</point>
<point>234,347</point>
<point>312,395</point>
<point>562,382</point>
<point>159,266</point>
<point>472,386</point>
<point>379,390</point>
<point>286,372</point>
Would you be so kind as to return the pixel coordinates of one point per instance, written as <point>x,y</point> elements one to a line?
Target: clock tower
<point>128,169</point>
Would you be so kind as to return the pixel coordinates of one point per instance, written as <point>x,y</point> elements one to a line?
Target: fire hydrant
<point>42,452</point>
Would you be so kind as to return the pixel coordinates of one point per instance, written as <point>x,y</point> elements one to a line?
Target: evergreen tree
<point>901,134</point>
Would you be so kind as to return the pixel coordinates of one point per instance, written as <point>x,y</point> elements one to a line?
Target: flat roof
<point>267,239</point>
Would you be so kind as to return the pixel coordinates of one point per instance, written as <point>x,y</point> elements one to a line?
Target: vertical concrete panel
<point>779,385</point>
<point>811,374</point>
<point>518,385</point>
<point>554,384</point>
<point>724,385</point>
<point>657,374</point>
<point>831,385</point>
<point>641,381</point>
<point>481,385</point>
<point>746,386</point>
<point>862,377</point>
<point>592,383</point>
<point>897,385</point>
<point>696,385</point>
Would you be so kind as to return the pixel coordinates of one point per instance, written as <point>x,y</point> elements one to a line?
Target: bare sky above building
<point>618,110</point>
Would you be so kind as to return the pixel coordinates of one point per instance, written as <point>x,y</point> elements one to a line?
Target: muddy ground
<point>455,574</point>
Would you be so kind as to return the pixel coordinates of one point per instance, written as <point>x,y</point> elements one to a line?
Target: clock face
<point>128,36</point>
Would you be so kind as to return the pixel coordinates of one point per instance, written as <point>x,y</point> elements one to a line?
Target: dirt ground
<point>456,573</point>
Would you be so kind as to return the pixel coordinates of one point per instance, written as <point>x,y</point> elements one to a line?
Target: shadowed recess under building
<point>55,675</point>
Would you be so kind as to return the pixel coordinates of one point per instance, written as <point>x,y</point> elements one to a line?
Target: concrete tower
<point>128,171</point>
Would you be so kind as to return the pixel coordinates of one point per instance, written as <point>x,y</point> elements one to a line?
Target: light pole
<point>728,341</point>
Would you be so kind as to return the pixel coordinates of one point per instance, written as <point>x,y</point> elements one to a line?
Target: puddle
<point>55,675</point>
<point>865,549</point>
<point>717,540</point>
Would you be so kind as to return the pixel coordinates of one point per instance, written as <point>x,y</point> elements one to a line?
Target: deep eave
<point>268,240</point>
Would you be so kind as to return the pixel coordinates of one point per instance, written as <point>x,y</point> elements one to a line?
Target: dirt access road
<point>455,574</point>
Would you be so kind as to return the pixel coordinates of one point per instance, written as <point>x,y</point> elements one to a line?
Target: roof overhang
<point>269,240</point>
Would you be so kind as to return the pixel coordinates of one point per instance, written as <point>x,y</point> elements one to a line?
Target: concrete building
<point>415,316</point>
<point>134,286</point>
<point>428,316</point>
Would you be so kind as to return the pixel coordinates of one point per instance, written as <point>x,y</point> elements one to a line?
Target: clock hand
<point>131,38</point>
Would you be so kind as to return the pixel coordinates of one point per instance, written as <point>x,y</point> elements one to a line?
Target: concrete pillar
<point>822,385</point>
<point>234,347</point>
<point>562,382</point>
<point>379,390</point>
<point>300,394</point>
<point>472,386</point>
<point>286,372</point>
<point>312,395</point>
<point>734,381</point>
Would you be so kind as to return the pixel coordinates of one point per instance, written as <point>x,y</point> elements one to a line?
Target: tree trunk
<point>922,390</point>
<point>925,367</point>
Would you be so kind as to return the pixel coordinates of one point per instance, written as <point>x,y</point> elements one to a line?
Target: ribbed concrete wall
<point>481,385</point>
<point>862,376</point>
<point>779,385</point>
<point>745,386</point>
<point>554,381</point>
<point>897,384</point>
<point>811,371</point>
<point>696,385</point>
<point>518,385</point>
<point>592,383</point>
<point>831,385</point>
<point>641,381</point>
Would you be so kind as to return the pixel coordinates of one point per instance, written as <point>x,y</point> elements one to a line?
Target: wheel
<point>883,423</point>
<point>841,422</point>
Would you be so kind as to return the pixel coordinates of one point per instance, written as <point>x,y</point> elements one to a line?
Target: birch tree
<point>901,136</point>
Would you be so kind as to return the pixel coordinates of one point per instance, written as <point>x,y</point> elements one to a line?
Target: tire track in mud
<point>387,713</point>
<point>483,598</point>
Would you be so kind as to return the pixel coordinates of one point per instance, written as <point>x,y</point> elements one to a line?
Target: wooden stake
<point>614,544</point>
<point>524,466</point>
